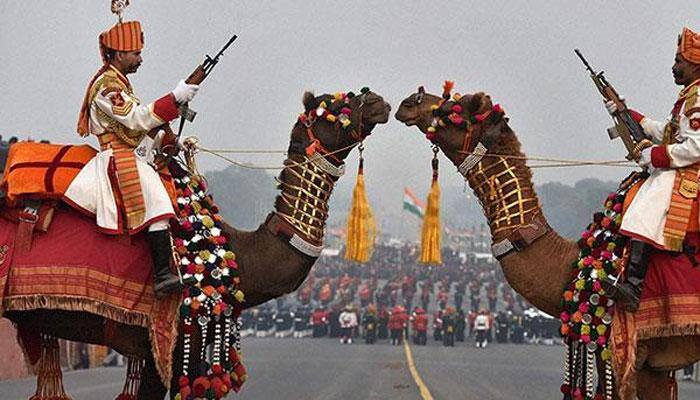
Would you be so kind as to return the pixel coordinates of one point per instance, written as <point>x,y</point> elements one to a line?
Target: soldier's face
<point>130,61</point>
<point>685,72</point>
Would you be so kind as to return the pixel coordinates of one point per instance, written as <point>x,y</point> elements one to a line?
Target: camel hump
<point>42,170</point>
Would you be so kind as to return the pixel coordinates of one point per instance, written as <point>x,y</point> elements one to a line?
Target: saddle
<point>35,179</point>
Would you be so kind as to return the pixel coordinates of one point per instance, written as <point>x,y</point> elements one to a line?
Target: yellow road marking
<point>424,392</point>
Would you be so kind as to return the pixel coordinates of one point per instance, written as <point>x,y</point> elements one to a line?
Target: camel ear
<point>308,100</point>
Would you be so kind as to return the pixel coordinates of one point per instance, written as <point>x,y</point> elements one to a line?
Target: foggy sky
<point>519,52</point>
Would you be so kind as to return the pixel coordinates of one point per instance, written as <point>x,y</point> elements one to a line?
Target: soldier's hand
<point>185,92</point>
<point>611,106</point>
<point>645,157</point>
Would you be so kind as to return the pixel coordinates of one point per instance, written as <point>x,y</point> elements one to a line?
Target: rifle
<point>626,128</point>
<point>197,77</point>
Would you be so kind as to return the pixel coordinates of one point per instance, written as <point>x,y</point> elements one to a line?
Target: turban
<point>124,36</point>
<point>689,46</point>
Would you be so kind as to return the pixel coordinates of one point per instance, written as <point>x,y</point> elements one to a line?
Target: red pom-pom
<point>457,109</point>
<point>565,389</point>
<point>185,392</point>
<point>216,369</point>
<point>200,386</point>
<point>497,108</point>
<point>183,381</point>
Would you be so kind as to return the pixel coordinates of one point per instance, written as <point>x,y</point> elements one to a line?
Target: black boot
<point>164,281</point>
<point>630,290</point>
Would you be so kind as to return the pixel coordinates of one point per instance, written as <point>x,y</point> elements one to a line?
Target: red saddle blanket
<point>73,267</point>
<point>669,306</point>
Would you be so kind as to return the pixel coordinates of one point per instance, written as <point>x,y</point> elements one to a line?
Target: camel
<point>269,264</point>
<point>540,271</point>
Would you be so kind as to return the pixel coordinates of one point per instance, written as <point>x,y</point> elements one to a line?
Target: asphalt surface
<point>293,369</point>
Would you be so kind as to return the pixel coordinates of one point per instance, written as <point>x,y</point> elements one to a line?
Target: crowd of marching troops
<point>392,298</point>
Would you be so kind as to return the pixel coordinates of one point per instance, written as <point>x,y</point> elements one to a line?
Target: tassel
<point>133,379</point>
<point>430,235</point>
<point>49,384</point>
<point>362,228</point>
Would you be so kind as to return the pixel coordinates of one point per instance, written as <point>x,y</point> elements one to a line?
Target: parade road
<point>307,369</point>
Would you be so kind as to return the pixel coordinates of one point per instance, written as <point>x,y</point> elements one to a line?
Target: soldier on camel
<point>120,187</point>
<point>664,213</point>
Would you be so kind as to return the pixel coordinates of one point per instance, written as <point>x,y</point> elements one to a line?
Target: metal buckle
<point>30,215</point>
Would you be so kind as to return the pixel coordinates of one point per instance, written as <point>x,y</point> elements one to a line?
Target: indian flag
<point>412,204</point>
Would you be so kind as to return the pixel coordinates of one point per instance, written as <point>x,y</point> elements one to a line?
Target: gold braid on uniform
<point>132,138</point>
<point>500,192</point>
<point>307,201</point>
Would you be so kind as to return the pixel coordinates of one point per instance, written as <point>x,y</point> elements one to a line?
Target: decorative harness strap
<point>524,234</point>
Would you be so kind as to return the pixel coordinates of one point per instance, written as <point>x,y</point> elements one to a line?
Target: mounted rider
<point>665,208</point>
<point>119,186</point>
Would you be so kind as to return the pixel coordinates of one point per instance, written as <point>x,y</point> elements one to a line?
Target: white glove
<point>611,106</point>
<point>184,92</point>
<point>645,157</point>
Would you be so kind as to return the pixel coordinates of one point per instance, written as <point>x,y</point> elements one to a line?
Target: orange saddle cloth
<point>42,170</point>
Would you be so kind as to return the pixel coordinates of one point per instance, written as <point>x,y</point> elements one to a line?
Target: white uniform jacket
<point>119,188</point>
<point>646,216</point>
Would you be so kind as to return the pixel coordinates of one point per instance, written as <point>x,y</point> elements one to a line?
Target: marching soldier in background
<point>118,186</point>
<point>460,325</point>
<point>665,209</point>
<point>420,327</point>
<point>448,327</point>
<point>369,323</point>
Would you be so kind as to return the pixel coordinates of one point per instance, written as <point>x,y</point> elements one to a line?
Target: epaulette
<point>107,83</point>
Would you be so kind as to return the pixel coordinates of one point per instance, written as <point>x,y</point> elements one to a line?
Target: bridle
<point>507,206</point>
<point>314,143</point>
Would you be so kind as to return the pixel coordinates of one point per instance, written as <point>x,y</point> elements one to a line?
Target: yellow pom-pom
<point>456,96</point>
<point>601,329</point>
<point>606,354</point>
<point>431,129</point>
<point>585,329</point>
<point>207,221</point>
<point>580,284</point>
<point>346,122</point>
<point>323,104</point>
<point>229,255</point>
<point>599,312</point>
<point>331,118</point>
<point>240,297</point>
<point>433,107</point>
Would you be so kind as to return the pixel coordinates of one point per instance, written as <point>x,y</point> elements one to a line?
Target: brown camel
<point>269,264</point>
<point>540,271</point>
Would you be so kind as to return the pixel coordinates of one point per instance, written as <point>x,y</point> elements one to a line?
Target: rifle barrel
<point>585,62</point>
<point>234,37</point>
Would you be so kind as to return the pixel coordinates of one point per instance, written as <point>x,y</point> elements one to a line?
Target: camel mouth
<point>405,118</point>
<point>381,116</point>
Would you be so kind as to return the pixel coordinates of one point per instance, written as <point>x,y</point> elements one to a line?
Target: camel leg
<point>655,385</point>
<point>151,387</point>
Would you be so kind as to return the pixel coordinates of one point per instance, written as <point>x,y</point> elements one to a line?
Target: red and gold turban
<point>689,46</point>
<point>124,36</point>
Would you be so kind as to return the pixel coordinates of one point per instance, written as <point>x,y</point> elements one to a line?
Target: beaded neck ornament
<point>453,115</point>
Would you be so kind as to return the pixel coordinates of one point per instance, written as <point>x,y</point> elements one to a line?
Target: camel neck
<point>503,185</point>
<point>305,187</point>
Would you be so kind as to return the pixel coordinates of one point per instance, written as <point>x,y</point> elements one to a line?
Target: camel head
<point>457,124</point>
<point>335,122</point>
